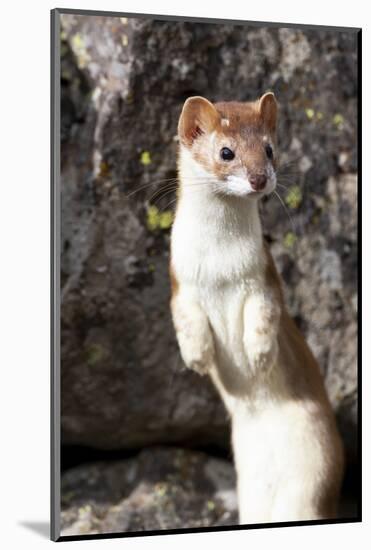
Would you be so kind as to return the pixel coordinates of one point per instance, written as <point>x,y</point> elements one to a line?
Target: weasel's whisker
<point>283,186</point>
<point>286,210</point>
<point>173,201</point>
<point>167,189</point>
<point>149,184</point>
<point>196,179</point>
<point>162,190</point>
<point>160,197</point>
<point>287,175</point>
<point>288,163</point>
<point>289,181</point>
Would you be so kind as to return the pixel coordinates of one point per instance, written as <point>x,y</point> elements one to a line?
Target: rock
<point>321,291</point>
<point>124,82</point>
<point>161,488</point>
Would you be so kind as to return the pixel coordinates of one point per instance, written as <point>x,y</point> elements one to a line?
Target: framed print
<point>205,197</point>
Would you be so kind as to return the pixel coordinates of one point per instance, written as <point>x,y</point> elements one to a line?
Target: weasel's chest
<point>224,307</point>
<point>220,269</point>
<point>213,256</point>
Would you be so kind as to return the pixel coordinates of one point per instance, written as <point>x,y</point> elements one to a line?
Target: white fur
<point>226,324</point>
<point>260,333</point>
<point>193,332</point>
<point>277,462</point>
<point>240,186</point>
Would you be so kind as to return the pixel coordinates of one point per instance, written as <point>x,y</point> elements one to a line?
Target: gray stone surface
<point>124,82</point>
<point>161,488</point>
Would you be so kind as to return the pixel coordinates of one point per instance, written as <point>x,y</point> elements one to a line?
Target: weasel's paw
<point>262,353</point>
<point>200,366</point>
<point>197,354</point>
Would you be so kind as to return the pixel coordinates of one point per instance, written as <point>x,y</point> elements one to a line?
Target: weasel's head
<point>231,146</point>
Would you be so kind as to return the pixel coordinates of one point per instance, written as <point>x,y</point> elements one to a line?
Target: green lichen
<point>129,98</point>
<point>80,50</point>
<point>338,120</point>
<point>289,239</point>
<point>84,510</point>
<point>95,353</point>
<point>210,505</point>
<point>157,219</point>
<point>313,115</point>
<point>166,219</point>
<point>294,197</point>
<point>104,169</point>
<point>145,158</point>
<point>161,489</point>
<point>310,113</point>
<point>152,218</point>
<point>77,41</point>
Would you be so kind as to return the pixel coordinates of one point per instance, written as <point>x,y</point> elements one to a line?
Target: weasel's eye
<point>269,151</point>
<point>226,154</point>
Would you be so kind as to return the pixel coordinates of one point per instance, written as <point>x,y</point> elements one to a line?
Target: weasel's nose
<point>258,181</point>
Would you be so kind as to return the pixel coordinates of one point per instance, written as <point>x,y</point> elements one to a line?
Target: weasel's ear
<point>198,117</point>
<point>268,110</point>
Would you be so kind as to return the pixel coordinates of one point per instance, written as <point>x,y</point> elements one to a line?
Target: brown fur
<point>290,331</point>
<point>173,281</point>
<point>308,387</point>
<point>250,126</point>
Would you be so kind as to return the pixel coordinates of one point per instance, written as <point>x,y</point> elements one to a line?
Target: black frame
<point>55,439</point>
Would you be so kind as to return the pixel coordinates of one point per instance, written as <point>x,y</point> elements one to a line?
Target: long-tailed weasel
<point>231,321</point>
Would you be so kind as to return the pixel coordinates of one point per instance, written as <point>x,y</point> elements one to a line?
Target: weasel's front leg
<point>261,322</point>
<point>193,333</point>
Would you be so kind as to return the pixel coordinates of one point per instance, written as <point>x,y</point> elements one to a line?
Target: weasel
<point>230,318</point>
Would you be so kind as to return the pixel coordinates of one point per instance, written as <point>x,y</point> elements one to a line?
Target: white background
<point>24,271</point>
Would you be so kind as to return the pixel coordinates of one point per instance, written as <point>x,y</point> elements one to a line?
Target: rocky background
<point>124,389</point>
